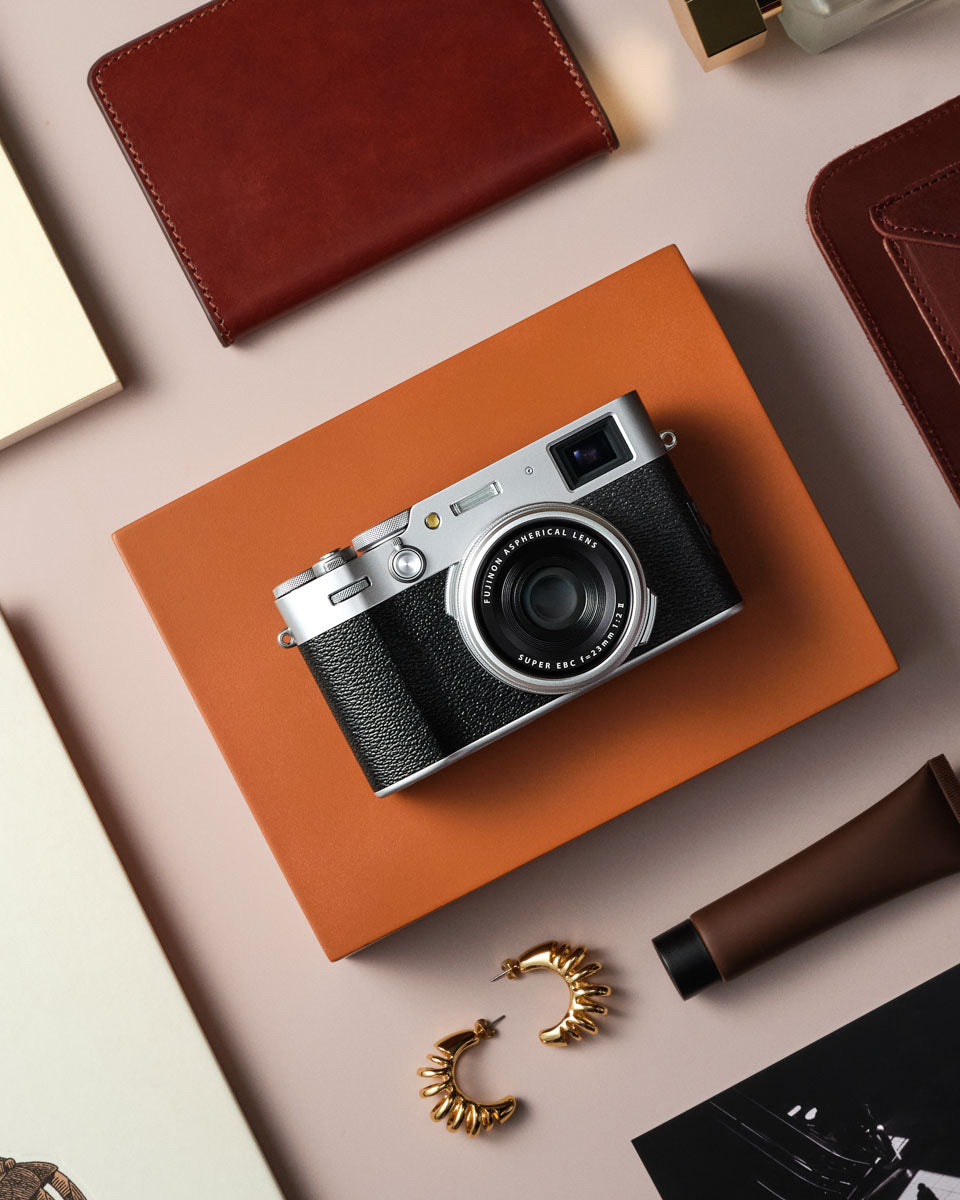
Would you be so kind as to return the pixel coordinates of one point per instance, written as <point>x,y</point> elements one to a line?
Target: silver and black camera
<point>485,605</point>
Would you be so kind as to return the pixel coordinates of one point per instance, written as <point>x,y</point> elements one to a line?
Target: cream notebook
<point>108,1089</point>
<point>51,363</point>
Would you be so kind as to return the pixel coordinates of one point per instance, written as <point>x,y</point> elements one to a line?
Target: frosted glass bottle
<point>819,24</point>
<point>721,30</point>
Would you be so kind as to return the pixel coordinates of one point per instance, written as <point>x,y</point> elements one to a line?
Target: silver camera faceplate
<point>528,476</point>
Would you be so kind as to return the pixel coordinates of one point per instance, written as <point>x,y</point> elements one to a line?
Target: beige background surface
<point>323,1056</point>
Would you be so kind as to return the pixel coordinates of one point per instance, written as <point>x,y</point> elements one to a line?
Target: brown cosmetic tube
<point>911,837</point>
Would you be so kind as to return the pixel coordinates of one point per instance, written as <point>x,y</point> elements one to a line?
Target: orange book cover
<point>362,867</point>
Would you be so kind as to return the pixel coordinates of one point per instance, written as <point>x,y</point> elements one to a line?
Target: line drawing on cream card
<point>30,1180</point>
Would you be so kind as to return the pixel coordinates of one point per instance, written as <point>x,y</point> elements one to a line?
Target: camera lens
<point>550,598</point>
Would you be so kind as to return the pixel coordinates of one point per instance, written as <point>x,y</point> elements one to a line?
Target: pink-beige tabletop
<point>323,1056</point>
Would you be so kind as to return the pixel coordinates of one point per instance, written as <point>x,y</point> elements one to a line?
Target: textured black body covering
<point>407,692</point>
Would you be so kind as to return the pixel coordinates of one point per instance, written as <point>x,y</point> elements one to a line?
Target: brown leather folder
<point>288,145</point>
<point>887,217</point>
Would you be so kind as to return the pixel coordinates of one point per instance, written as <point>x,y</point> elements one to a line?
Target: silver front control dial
<point>406,564</point>
<point>390,528</point>
<point>330,562</point>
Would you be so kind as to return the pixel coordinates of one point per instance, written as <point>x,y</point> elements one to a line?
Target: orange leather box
<point>362,867</point>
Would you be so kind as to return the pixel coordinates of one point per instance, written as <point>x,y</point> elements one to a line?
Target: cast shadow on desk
<point>109,810</point>
<point>799,392</point>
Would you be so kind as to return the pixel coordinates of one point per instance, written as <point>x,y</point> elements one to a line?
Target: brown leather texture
<point>876,213</point>
<point>288,145</point>
<point>921,231</point>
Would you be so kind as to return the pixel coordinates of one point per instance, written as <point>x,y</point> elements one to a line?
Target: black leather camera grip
<point>404,688</point>
<point>388,734</point>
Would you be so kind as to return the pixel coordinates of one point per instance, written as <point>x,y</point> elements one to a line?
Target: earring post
<point>500,976</point>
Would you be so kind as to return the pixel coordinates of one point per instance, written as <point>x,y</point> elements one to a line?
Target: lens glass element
<point>552,597</point>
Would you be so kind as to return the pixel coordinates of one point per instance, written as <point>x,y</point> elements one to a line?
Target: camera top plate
<point>443,526</point>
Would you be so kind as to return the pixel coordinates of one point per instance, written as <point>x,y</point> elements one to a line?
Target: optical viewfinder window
<point>590,453</point>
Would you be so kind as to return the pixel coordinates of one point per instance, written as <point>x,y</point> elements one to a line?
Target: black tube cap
<point>686,959</point>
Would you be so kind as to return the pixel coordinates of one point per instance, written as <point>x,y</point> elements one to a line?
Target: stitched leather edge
<point>840,269</point>
<point>198,15</point>
<point>578,79</point>
<point>880,210</point>
<point>97,78</point>
<point>893,249</point>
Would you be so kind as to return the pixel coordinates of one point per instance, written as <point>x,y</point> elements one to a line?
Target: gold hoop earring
<point>569,965</point>
<point>453,1104</point>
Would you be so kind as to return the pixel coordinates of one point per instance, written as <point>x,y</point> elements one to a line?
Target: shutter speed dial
<point>387,529</point>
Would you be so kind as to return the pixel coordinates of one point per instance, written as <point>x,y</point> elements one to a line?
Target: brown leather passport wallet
<point>287,145</point>
<point>887,217</point>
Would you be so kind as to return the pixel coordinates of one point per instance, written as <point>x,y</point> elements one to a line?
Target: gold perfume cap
<point>719,31</point>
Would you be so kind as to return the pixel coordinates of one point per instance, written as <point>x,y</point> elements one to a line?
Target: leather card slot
<point>920,226</point>
<point>928,211</point>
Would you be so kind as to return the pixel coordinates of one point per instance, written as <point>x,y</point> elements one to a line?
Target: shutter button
<point>406,563</point>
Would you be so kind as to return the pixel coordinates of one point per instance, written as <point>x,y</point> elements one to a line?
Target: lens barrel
<point>551,598</point>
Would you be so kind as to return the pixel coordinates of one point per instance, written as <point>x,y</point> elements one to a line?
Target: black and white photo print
<point>871,1112</point>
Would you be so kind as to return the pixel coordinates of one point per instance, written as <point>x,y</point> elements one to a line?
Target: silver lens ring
<point>465,587</point>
